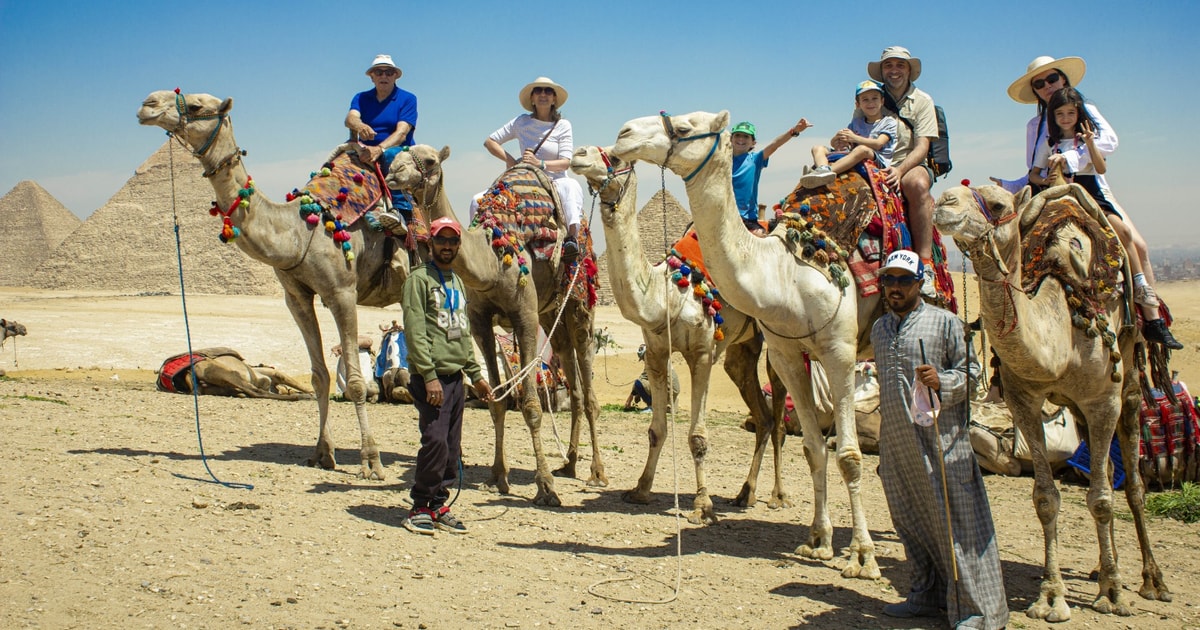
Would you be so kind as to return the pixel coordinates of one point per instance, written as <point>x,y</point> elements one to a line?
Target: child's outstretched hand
<point>800,127</point>
<point>1088,134</point>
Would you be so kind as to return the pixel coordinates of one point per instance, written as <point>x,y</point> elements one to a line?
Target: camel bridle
<point>613,174</point>
<point>985,246</point>
<point>186,119</point>
<point>677,139</point>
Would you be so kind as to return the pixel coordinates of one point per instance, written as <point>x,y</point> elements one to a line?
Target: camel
<point>222,371</point>
<point>306,261</point>
<point>648,297</point>
<point>798,307</point>
<point>9,328</point>
<point>1045,356</point>
<point>497,291</point>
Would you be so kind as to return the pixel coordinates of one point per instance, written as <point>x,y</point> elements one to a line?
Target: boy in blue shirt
<point>871,134</point>
<point>748,165</point>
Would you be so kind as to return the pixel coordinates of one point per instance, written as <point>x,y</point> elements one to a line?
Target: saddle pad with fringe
<point>173,376</point>
<point>345,187</point>
<point>1170,431</point>
<point>588,283</point>
<point>687,250</point>
<point>522,203</point>
<point>841,210</point>
<point>1102,271</point>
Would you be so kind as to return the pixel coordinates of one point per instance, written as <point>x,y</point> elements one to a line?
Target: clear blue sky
<point>72,77</point>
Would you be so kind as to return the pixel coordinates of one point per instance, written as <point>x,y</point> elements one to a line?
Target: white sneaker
<point>1144,294</point>
<point>393,223</point>
<point>928,283</point>
<point>818,177</point>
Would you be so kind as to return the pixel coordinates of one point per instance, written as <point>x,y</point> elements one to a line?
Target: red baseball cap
<point>445,223</point>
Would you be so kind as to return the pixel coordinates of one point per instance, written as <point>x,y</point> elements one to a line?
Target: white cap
<point>903,260</point>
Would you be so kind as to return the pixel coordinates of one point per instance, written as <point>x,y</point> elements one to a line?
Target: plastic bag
<point>925,405</point>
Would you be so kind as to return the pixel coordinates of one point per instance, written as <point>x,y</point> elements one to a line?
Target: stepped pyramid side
<point>32,223</point>
<point>128,245</point>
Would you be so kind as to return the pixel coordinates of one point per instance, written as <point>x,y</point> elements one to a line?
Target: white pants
<point>570,193</point>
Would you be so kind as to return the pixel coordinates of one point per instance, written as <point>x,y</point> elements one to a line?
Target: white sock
<point>1139,279</point>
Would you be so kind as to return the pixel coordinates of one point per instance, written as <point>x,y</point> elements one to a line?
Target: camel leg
<point>820,534</point>
<point>657,355</point>
<point>305,316</point>
<point>481,331</point>
<point>525,325</point>
<point>1026,408</point>
<point>862,562</point>
<point>561,344</point>
<point>779,497</point>
<point>584,343</point>
<point>1153,586</point>
<point>741,364</point>
<point>701,373</point>
<point>1102,418</point>
<point>345,315</point>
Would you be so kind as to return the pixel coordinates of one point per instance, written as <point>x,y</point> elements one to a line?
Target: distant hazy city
<point>1171,263</point>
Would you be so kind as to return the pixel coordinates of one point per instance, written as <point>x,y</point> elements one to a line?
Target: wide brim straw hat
<point>895,52</point>
<point>526,95</point>
<point>385,61</point>
<point>1021,90</point>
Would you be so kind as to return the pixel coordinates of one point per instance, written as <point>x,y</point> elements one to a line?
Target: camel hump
<point>218,351</point>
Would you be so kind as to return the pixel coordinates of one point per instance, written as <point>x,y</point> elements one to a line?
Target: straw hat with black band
<point>526,94</point>
<point>1022,91</point>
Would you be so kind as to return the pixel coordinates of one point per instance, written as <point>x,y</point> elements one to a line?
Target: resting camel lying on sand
<point>223,372</point>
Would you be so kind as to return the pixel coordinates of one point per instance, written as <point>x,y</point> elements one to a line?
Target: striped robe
<point>912,477</point>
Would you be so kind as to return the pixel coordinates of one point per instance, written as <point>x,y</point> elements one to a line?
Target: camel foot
<point>824,552</point>
<point>1154,588</point>
<point>749,425</point>
<point>780,500</point>
<point>496,484</point>
<point>1042,609</point>
<point>702,512</point>
<point>860,569</point>
<point>1106,606</point>
<point>746,497</point>
<point>324,459</point>
<point>637,495</point>
<point>567,470</point>
<point>598,479</point>
<point>371,470</point>
<point>547,497</point>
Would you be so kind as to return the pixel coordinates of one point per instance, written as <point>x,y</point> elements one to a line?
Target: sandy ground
<point>111,519</point>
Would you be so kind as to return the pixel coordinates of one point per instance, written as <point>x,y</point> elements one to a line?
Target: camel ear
<point>721,121</point>
<point>226,106</point>
<point>1022,197</point>
<point>444,154</point>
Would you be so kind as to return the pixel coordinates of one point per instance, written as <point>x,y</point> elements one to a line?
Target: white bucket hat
<point>385,61</point>
<point>895,52</point>
<point>1021,90</point>
<point>526,94</point>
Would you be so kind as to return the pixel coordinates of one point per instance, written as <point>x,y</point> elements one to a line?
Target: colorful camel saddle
<point>581,278</point>
<point>853,224</point>
<point>174,376</point>
<point>345,188</point>
<point>688,272</point>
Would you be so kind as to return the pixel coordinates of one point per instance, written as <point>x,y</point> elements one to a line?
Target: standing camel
<point>798,307</point>
<point>495,291</point>
<point>648,297</point>
<point>1044,355</point>
<point>306,261</point>
<point>9,328</point>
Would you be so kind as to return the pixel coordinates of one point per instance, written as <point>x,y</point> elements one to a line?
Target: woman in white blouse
<point>545,140</point>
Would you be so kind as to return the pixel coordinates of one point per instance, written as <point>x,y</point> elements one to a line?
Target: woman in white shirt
<point>546,142</point>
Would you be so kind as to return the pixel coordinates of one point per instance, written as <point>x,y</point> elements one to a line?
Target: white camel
<point>797,306</point>
<point>496,292</point>
<point>647,297</point>
<point>306,260</point>
<point>1046,356</point>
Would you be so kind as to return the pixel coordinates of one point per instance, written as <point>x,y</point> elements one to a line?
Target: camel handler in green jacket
<point>439,352</point>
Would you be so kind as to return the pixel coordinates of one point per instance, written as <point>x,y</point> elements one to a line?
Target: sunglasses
<point>1050,79</point>
<point>889,280</point>
<point>446,240</point>
<point>542,90</point>
<point>383,73</point>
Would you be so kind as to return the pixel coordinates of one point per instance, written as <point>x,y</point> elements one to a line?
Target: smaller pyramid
<point>32,223</point>
<point>128,245</point>
<point>661,210</point>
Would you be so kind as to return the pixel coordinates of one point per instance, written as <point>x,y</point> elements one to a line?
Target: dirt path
<point>109,519</point>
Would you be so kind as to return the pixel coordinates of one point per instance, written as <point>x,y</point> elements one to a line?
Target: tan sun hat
<point>526,95</point>
<point>385,61</point>
<point>895,52</point>
<point>1021,90</point>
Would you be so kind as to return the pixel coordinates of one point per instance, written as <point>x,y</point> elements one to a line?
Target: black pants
<point>441,440</point>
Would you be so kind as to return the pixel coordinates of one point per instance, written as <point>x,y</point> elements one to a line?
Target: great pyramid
<point>128,245</point>
<point>650,227</point>
<point>32,222</point>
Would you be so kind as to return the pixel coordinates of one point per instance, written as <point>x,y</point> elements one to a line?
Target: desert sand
<point>111,517</point>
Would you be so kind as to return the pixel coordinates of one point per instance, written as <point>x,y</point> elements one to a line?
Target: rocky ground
<point>115,514</point>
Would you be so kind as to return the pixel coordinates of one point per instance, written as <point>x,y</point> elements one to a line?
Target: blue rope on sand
<point>192,364</point>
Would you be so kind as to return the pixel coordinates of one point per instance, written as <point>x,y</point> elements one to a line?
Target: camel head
<point>607,175</point>
<point>686,141</point>
<point>967,213</point>
<point>193,118</point>
<point>11,328</point>
<point>417,170</point>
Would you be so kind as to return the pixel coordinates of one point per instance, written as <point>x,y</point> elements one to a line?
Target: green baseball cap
<point>746,128</point>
